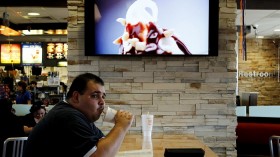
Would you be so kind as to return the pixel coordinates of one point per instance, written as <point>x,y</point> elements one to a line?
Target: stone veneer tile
<point>164,97</point>
<point>167,86</point>
<point>137,74</point>
<point>176,108</point>
<point>82,68</point>
<point>144,80</point>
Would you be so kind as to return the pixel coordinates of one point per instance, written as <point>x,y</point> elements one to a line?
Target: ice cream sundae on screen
<point>142,36</point>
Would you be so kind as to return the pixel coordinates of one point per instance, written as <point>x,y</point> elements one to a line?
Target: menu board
<point>10,54</point>
<point>57,50</point>
<point>31,53</point>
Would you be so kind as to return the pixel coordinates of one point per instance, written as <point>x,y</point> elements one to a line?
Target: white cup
<point>109,114</point>
<point>147,124</point>
<point>147,142</point>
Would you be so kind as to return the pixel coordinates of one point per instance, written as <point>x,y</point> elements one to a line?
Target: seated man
<point>68,129</point>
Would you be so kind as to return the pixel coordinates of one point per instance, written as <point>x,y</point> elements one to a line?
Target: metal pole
<point>278,62</point>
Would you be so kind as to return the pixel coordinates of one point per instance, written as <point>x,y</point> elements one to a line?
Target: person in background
<point>33,91</point>
<point>2,74</point>
<point>23,95</point>
<point>69,130</point>
<point>9,79</point>
<point>6,92</point>
<point>33,85</point>
<point>11,125</point>
<point>37,112</point>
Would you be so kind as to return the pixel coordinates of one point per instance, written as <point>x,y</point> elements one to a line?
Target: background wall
<point>186,94</point>
<point>262,58</point>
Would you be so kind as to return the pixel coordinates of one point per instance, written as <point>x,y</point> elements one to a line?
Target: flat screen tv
<point>31,53</point>
<point>10,53</point>
<point>151,27</point>
<point>36,70</point>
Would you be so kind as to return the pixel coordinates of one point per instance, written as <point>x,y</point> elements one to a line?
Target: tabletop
<point>136,144</point>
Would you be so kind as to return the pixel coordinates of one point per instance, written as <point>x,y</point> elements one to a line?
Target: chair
<point>271,143</point>
<point>17,146</point>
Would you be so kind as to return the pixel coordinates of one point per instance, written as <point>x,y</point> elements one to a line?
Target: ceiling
<point>49,18</point>
<point>18,15</point>
<point>261,16</point>
<point>53,15</point>
<point>261,23</point>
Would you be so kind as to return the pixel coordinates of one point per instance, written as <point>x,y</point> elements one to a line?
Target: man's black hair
<point>37,105</point>
<point>79,84</point>
<point>23,85</point>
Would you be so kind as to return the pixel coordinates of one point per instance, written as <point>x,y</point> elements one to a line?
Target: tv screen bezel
<point>213,29</point>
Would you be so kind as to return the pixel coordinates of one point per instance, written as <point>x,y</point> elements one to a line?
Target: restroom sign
<point>256,74</point>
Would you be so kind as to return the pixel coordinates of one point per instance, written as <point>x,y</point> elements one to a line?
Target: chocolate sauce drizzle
<point>151,37</point>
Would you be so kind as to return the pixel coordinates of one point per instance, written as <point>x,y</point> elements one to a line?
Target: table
<point>160,141</point>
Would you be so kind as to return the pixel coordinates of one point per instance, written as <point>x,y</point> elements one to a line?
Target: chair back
<point>17,144</point>
<point>274,141</point>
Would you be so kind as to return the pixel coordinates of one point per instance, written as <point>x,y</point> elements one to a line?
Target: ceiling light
<point>276,30</point>
<point>50,32</point>
<point>8,31</point>
<point>2,28</point>
<point>26,17</point>
<point>260,37</point>
<point>62,63</point>
<point>33,32</point>
<point>57,31</point>
<point>33,14</point>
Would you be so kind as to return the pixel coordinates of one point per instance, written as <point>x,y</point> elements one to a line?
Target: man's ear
<point>75,97</point>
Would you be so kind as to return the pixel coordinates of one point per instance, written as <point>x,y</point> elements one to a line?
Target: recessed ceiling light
<point>33,14</point>
<point>2,28</point>
<point>32,32</point>
<point>276,30</point>
<point>8,31</point>
<point>260,37</point>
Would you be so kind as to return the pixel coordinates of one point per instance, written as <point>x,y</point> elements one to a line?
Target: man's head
<point>22,86</point>
<point>5,105</point>
<point>38,110</point>
<point>80,83</point>
<point>87,94</point>
<point>33,83</point>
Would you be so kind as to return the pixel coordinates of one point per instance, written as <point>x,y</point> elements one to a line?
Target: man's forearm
<point>110,145</point>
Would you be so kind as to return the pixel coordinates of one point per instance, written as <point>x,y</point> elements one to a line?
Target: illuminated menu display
<point>57,50</point>
<point>31,53</point>
<point>10,53</point>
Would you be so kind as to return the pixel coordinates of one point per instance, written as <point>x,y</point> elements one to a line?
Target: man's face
<point>19,88</point>
<point>92,102</point>
<point>39,114</point>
